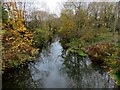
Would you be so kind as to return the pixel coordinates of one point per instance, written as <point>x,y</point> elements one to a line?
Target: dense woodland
<point>93,31</point>
<point>86,29</point>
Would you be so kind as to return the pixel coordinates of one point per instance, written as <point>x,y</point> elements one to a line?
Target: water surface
<point>51,70</point>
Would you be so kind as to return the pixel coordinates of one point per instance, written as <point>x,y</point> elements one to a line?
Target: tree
<point>17,40</point>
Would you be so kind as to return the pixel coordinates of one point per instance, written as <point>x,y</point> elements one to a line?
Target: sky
<point>54,5</point>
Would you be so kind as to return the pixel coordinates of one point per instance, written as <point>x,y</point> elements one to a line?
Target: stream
<point>52,70</point>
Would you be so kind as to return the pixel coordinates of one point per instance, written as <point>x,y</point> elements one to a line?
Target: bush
<point>17,43</point>
<point>41,37</point>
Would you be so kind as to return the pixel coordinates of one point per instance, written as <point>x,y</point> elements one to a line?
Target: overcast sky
<point>53,5</point>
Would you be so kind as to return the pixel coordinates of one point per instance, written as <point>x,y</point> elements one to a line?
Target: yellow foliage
<point>17,40</point>
<point>22,29</point>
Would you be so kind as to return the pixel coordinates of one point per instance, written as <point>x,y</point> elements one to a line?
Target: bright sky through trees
<point>54,5</point>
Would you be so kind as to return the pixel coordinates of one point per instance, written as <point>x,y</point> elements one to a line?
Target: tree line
<point>92,29</point>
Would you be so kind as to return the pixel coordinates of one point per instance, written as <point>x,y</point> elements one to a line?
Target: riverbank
<point>54,69</point>
<point>104,54</point>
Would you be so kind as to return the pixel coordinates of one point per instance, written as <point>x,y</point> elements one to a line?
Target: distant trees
<point>87,17</point>
<point>43,19</point>
<point>44,26</point>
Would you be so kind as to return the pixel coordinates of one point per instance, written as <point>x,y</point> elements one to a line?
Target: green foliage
<point>70,50</point>
<point>116,76</point>
<point>82,53</point>
<point>2,32</point>
<point>4,15</point>
<point>81,30</point>
<point>92,31</point>
<point>79,52</point>
<point>41,37</point>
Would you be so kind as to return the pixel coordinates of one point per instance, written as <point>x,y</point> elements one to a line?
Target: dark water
<point>51,70</point>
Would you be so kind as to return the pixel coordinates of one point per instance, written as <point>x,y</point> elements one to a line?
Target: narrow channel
<point>51,70</point>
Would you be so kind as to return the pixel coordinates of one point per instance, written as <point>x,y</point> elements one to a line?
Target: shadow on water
<point>83,75</point>
<point>54,69</point>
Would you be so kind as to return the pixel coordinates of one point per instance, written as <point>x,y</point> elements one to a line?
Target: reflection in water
<point>52,70</point>
<point>82,75</point>
<point>48,70</point>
